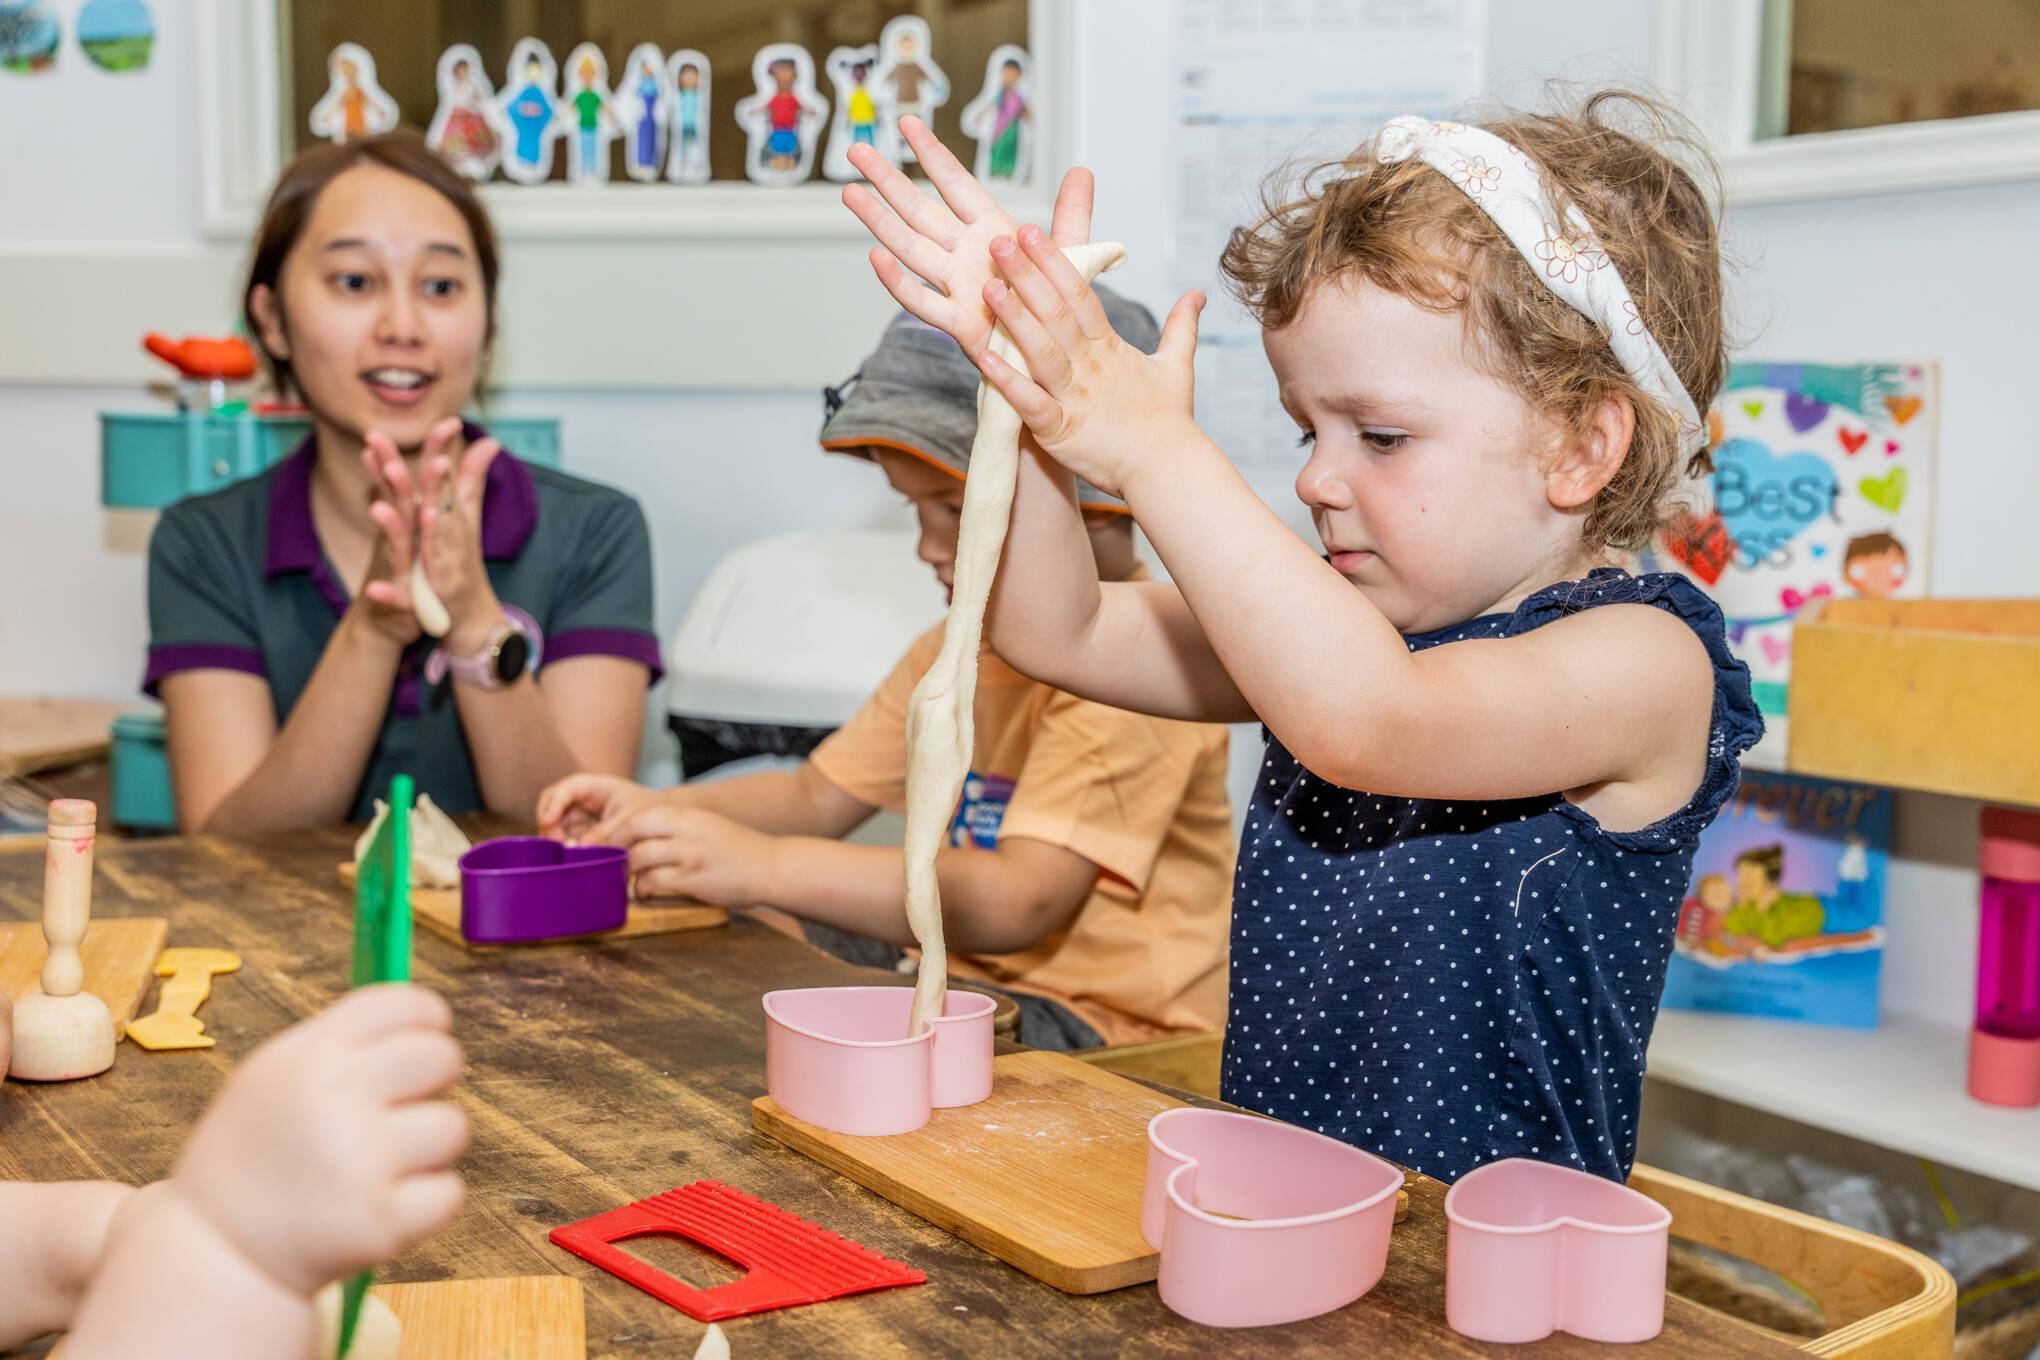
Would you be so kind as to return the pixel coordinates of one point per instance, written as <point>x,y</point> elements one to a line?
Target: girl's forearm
<point>1047,594</point>
<point>1132,645</point>
<point>313,768</point>
<point>1311,655</point>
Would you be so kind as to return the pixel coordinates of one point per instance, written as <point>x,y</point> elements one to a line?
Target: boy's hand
<point>327,1152</point>
<point>579,806</point>
<point>689,852</point>
<point>949,246</point>
<point>1096,404</point>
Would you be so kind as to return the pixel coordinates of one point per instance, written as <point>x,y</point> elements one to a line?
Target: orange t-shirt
<point>1142,798</point>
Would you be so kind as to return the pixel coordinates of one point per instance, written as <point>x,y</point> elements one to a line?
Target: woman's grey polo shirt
<point>238,581</point>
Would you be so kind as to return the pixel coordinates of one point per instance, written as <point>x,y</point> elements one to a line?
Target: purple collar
<point>509,510</point>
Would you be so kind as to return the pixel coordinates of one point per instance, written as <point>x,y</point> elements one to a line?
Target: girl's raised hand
<point>947,243</point>
<point>1096,404</point>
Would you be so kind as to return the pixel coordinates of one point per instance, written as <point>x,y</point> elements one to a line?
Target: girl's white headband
<point>1504,184</point>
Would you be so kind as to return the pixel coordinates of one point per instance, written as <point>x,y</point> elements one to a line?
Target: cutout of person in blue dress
<point>529,112</point>
<point>641,101</point>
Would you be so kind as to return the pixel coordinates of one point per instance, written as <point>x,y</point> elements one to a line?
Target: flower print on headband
<point>1503,182</point>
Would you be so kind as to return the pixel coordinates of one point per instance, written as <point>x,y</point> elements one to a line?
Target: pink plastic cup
<point>1532,1248</point>
<point>1260,1222</point>
<point>841,1058</point>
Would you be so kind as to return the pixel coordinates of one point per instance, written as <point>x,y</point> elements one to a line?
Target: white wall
<point>1949,276</point>
<point>119,145</point>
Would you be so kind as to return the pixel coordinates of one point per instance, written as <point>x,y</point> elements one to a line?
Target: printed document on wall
<point>1263,84</point>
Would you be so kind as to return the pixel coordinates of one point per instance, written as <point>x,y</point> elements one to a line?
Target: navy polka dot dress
<point>1446,983</point>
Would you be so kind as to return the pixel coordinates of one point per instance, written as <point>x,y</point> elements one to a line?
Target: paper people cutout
<point>642,102</point>
<point>908,82</point>
<point>528,113</point>
<point>856,119</point>
<point>589,113</point>
<point>1001,118</point>
<point>463,131</point>
<point>687,77</point>
<point>354,106</point>
<point>783,117</point>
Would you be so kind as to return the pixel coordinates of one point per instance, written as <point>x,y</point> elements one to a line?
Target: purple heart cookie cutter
<point>524,888</point>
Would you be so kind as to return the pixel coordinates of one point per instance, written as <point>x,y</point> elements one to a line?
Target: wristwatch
<point>510,651</point>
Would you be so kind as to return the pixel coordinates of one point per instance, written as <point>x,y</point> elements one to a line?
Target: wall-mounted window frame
<point>1709,54</point>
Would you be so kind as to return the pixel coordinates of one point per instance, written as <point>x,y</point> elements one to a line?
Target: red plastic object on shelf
<point>196,356</point>
<point>790,1260</point>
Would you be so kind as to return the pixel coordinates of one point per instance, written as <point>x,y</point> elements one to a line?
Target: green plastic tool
<point>382,953</point>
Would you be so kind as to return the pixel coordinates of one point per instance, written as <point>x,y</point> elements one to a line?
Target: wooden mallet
<point>63,1031</point>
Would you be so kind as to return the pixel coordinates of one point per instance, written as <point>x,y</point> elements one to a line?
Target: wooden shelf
<point>1933,695</point>
<point>1898,1086</point>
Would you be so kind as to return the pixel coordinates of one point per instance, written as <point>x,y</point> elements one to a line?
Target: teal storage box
<point>143,798</point>
<point>149,461</point>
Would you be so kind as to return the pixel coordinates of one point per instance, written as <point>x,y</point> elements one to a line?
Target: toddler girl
<point>1491,748</point>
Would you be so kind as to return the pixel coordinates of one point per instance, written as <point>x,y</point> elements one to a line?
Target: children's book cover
<point>1785,915</point>
<point>1822,480</point>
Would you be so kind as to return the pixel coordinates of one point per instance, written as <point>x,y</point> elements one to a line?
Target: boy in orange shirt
<point>1090,861</point>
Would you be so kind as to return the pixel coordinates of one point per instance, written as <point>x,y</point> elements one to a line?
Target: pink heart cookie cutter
<point>1260,1222</point>
<point>841,1058</point>
<point>1532,1248</point>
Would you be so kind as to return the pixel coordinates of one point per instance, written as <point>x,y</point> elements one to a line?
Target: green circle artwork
<point>116,34</point>
<point>28,37</point>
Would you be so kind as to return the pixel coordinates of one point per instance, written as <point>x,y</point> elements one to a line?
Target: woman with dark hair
<point>285,636</point>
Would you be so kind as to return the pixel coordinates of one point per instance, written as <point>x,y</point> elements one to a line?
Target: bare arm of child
<point>1132,645</point>
<point>326,1152</point>
<point>56,1234</point>
<point>1617,697</point>
<point>993,901</point>
<point>797,802</point>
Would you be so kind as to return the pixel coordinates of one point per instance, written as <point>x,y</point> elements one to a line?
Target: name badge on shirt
<point>982,809</point>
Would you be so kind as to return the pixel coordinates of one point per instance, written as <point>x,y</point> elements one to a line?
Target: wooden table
<point>601,1074</point>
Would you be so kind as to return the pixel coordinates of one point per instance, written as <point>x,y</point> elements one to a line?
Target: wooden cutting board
<point>45,734</point>
<point>1046,1173</point>
<point>533,1317</point>
<point>120,960</point>
<point>439,910</point>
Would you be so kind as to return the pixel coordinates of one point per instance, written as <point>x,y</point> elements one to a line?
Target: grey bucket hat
<point>918,393</point>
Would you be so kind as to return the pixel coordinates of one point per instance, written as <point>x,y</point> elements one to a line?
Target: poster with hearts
<point>1823,478</point>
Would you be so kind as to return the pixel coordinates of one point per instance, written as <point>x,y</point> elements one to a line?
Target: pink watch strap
<point>476,670</point>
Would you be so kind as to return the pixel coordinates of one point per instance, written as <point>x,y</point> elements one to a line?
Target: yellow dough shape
<point>175,1022</point>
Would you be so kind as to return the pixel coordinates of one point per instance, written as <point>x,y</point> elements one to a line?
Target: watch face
<point>512,655</point>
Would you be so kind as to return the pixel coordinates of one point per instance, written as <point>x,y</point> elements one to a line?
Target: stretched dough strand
<point>940,731</point>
